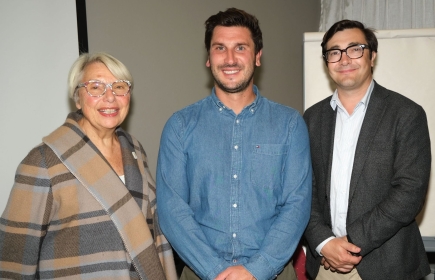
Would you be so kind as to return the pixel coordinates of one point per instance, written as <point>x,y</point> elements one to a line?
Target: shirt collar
<point>335,101</point>
<point>251,107</point>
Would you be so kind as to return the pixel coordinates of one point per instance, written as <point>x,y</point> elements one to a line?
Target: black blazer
<point>388,186</point>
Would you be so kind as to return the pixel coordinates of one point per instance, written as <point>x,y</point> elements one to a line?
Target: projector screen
<point>38,45</point>
<point>405,63</point>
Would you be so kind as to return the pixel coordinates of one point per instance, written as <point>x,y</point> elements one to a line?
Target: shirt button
<point>220,109</point>
<point>252,110</point>
<point>234,235</point>
<point>235,176</point>
<point>234,261</point>
<point>235,205</point>
<point>236,147</point>
<point>237,121</point>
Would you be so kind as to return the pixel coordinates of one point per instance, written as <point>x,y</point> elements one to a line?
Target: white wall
<point>37,47</point>
<point>405,63</point>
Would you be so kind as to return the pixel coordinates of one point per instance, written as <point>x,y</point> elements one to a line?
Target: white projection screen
<point>39,43</point>
<point>405,63</point>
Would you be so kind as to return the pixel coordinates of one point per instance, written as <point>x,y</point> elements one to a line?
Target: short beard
<point>238,88</point>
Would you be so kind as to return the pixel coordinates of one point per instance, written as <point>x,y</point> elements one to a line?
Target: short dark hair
<point>234,17</point>
<point>369,34</point>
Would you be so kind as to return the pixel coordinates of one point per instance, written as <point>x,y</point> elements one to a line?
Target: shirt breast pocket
<point>267,165</point>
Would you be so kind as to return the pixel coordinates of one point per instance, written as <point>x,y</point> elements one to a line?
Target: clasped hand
<point>338,255</point>
<point>237,272</point>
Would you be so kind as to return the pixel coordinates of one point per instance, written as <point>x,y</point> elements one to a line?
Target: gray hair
<point>76,72</point>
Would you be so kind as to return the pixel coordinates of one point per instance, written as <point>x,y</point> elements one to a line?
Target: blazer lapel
<point>328,121</point>
<point>375,111</point>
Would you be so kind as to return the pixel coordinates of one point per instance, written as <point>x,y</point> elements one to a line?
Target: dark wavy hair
<point>369,34</point>
<point>234,17</point>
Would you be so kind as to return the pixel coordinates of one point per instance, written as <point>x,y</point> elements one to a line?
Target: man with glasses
<point>371,162</point>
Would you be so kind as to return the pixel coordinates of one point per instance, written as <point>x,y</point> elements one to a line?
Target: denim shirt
<point>234,189</point>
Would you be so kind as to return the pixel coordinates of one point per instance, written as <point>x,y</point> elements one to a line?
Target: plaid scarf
<point>79,216</point>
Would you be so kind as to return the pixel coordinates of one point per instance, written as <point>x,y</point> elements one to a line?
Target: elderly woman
<point>83,204</point>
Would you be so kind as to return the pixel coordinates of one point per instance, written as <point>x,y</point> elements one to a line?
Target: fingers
<point>223,275</point>
<point>350,247</point>
<point>237,272</point>
<point>338,252</point>
<point>342,269</point>
<point>340,255</point>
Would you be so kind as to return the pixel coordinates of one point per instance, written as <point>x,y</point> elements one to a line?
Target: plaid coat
<point>70,216</point>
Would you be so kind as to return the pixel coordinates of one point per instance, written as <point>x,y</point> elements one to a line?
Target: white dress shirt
<point>347,129</point>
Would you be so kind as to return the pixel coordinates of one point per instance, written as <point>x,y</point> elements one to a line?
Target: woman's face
<point>105,112</point>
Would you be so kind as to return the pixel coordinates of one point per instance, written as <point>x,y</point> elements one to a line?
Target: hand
<point>237,272</point>
<point>337,255</point>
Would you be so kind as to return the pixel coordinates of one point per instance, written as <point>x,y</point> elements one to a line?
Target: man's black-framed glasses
<point>354,51</point>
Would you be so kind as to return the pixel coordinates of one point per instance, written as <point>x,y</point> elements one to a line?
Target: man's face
<point>232,58</point>
<point>350,74</point>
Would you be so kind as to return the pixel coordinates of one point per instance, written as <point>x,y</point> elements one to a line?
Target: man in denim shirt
<point>234,171</point>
